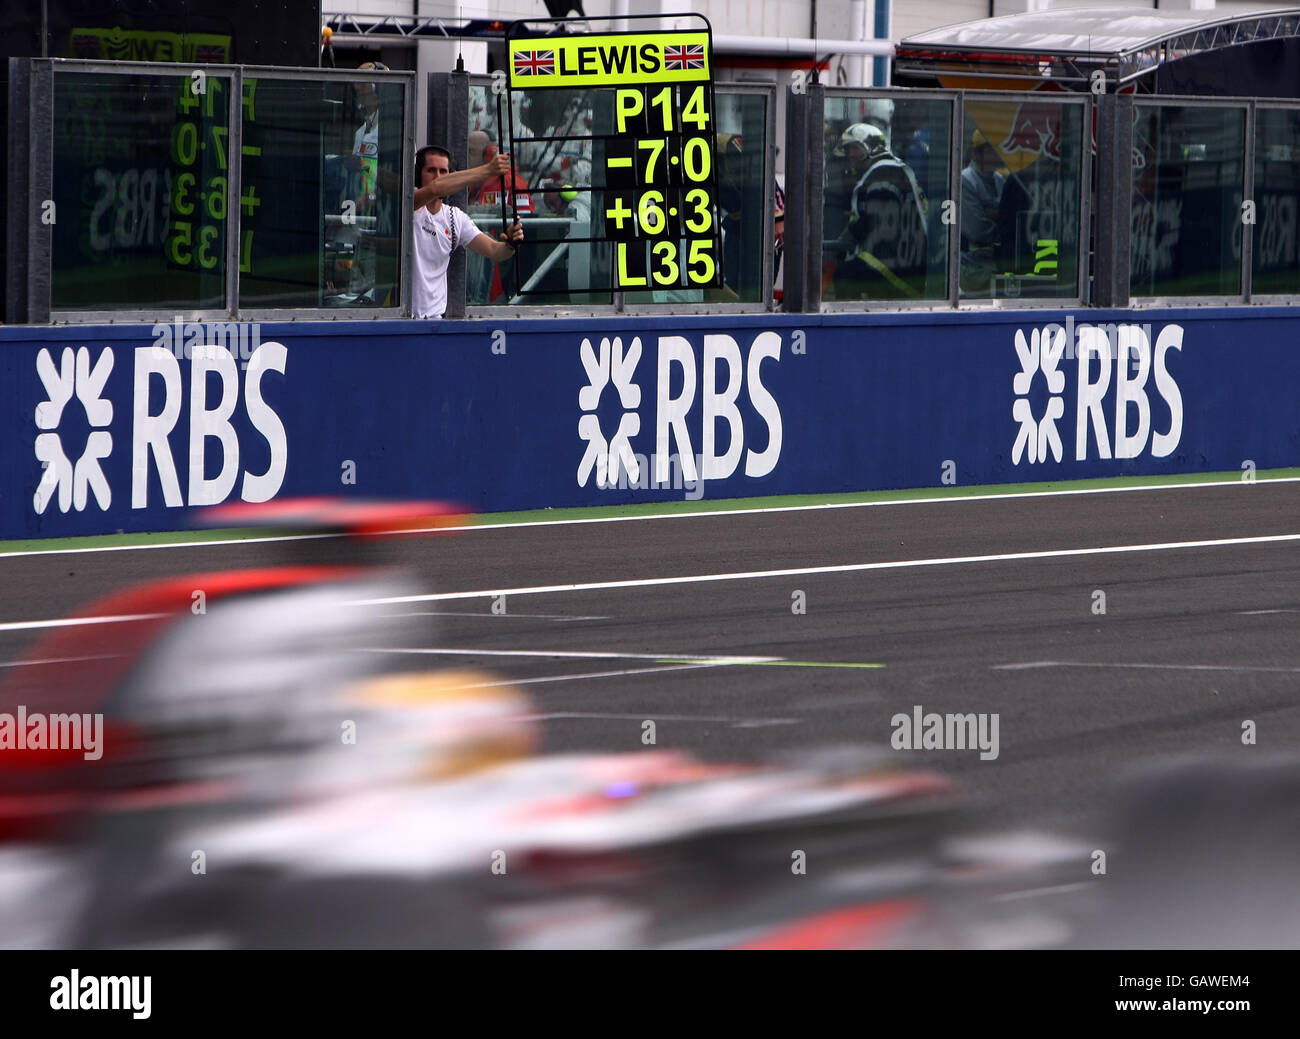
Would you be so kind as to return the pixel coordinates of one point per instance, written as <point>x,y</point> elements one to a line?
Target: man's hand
<point>503,248</point>
<point>513,235</point>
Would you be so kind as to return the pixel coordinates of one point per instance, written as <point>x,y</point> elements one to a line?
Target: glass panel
<point>1187,192</point>
<point>140,192</point>
<point>321,205</point>
<point>1021,185</point>
<point>552,194</point>
<point>1276,260</point>
<point>886,165</point>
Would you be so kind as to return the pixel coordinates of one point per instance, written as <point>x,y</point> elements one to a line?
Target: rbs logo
<point>725,373</point>
<point>1116,363</point>
<point>71,482</point>
<point>1131,357</point>
<point>155,416</point>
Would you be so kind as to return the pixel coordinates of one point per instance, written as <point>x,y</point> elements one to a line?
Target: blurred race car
<point>271,777</point>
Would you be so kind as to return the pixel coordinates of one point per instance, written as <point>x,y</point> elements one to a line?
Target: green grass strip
<point>717,505</point>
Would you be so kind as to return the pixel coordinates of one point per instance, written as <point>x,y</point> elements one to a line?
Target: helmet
<point>878,111</point>
<point>870,138</point>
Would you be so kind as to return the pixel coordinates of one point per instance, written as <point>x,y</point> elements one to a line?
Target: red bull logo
<point>1036,129</point>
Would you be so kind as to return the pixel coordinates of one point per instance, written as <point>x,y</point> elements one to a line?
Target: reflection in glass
<point>496,203</point>
<point>140,165</point>
<point>322,181</point>
<point>1021,188</point>
<point>1187,192</point>
<point>551,192</point>
<point>886,169</point>
<point>1276,259</point>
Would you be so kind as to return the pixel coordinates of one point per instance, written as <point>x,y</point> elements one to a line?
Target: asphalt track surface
<point>1194,639</point>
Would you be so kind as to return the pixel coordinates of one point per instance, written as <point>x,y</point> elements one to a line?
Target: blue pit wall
<point>118,428</point>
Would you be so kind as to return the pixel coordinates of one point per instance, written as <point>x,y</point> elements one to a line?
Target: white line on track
<point>847,568</point>
<point>179,544</point>
<point>57,660</point>
<point>702,658</point>
<point>590,674</point>
<point>748,575</point>
<point>1033,665</point>
<point>739,723</point>
<point>1055,889</point>
<point>72,622</point>
<point>826,506</point>
<point>496,616</point>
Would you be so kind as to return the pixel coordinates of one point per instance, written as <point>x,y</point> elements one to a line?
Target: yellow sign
<point>120,44</point>
<point>593,61</point>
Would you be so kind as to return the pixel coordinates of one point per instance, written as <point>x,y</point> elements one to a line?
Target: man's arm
<point>498,251</point>
<point>450,183</point>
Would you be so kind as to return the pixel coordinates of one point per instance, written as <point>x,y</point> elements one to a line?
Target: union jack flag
<point>535,63</point>
<point>688,56</point>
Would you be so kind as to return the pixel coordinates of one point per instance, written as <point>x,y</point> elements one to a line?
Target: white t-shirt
<point>436,235</point>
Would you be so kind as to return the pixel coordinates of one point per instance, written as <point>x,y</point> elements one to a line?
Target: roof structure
<point>1070,44</point>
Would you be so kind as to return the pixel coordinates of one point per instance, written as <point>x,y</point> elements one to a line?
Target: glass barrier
<point>144,203</point>
<point>321,193</point>
<point>146,216</point>
<point>1275,257</point>
<point>1188,173</point>
<point>140,166</point>
<point>887,170</point>
<point>1020,192</point>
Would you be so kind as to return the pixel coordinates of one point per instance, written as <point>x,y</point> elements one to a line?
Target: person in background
<point>441,228</point>
<point>885,238</point>
<point>778,245</point>
<point>513,185</point>
<point>374,190</point>
<point>981,198</point>
<point>487,281</point>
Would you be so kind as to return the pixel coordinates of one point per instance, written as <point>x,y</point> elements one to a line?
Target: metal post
<point>1111,267</point>
<point>20,200</point>
<point>40,173</point>
<point>235,189</point>
<point>957,148</point>
<point>1248,192</point>
<point>804,193</point>
<point>407,232</point>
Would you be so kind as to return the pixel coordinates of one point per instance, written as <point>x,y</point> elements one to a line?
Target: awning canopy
<point>1070,44</point>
